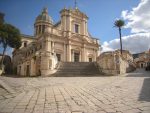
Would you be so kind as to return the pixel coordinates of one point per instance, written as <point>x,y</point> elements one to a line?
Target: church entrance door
<point>76,57</point>
<point>58,57</point>
<point>28,71</point>
<point>90,59</point>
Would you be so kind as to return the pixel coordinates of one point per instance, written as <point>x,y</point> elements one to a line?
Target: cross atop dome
<point>75,4</point>
<point>45,10</point>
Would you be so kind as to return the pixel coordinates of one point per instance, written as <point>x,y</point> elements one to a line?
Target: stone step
<point>78,71</point>
<point>77,68</point>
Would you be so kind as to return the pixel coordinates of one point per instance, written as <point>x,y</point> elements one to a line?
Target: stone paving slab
<point>116,94</point>
<point>6,87</point>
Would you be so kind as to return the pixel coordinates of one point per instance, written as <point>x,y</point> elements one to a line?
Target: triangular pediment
<point>78,38</point>
<point>76,11</point>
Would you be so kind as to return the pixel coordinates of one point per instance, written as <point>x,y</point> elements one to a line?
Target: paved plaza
<point>128,93</point>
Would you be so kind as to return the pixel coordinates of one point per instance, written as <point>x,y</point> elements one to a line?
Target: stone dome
<point>44,17</point>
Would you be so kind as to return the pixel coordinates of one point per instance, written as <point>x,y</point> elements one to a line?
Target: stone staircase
<point>77,69</point>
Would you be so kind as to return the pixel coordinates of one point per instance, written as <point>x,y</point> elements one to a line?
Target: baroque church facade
<point>66,41</point>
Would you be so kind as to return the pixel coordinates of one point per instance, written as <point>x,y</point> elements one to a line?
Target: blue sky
<point>101,13</point>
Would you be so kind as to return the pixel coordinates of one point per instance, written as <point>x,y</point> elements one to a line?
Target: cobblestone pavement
<point>128,93</point>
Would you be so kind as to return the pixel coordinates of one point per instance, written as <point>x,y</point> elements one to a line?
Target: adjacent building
<point>142,60</point>
<point>67,41</point>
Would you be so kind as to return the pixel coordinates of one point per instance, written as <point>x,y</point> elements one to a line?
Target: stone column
<point>39,29</point>
<point>68,25</point>
<point>64,52</point>
<point>72,56</point>
<point>69,22</point>
<point>64,23</point>
<point>95,55</point>
<point>53,44</point>
<point>69,53</point>
<point>48,44</point>
<point>37,32</point>
<point>85,27</point>
<point>83,54</point>
<point>80,56</point>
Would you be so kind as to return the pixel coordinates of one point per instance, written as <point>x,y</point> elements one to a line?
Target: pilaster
<point>83,54</point>
<point>69,52</point>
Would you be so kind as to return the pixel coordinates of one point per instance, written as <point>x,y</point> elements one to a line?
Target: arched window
<point>58,56</point>
<point>40,29</point>
<point>41,46</point>
<point>36,30</point>
<point>43,28</point>
<point>76,28</point>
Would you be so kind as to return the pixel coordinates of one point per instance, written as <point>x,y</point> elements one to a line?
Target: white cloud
<point>105,47</point>
<point>9,51</point>
<point>135,43</point>
<point>139,18</point>
<point>139,21</point>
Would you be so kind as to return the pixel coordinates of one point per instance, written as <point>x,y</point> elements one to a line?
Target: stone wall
<point>106,63</point>
<point>113,63</point>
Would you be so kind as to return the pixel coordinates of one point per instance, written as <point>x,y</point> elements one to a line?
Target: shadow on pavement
<point>18,76</point>
<point>145,91</point>
<point>139,73</point>
<point>61,75</point>
<point>80,75</point>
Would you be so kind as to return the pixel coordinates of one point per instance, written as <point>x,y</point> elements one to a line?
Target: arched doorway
<point>142,65</point>
<point>90,57</point>
<point>28,71</point>
<point>76,56</point>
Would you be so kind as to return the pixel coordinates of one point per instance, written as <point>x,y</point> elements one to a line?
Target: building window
<point>76,27</point>
<point>40,59</point>
<point>36,30</point>
<point>43,28</point>
<point>41,46</point>
<point>142,65</point>
<point>58,57</point>
<point>19,70</point>
<point>36,49</point>
<point>40,29</point>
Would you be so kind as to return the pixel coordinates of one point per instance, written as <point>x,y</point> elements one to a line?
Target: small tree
<point>9,36</point>
<point>119,24</point>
